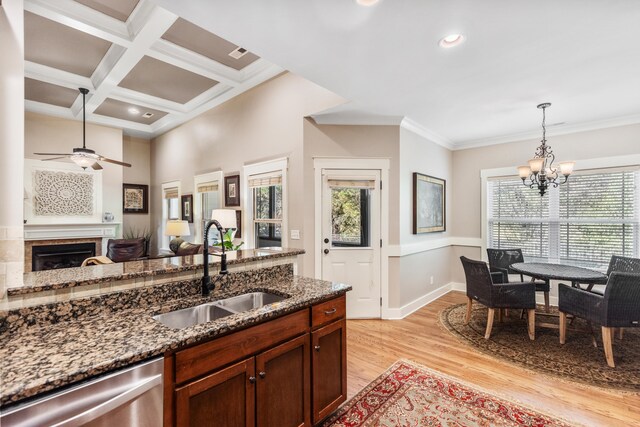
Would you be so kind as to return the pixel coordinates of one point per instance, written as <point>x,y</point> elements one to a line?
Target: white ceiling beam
<point>47,109</point>
<point>158,22</point>
<point>118,123</point>
<point>256,67</point>
<point>170,53</point>
<point>55,76</point>
<point>149,101</point>
<point>82,18</point>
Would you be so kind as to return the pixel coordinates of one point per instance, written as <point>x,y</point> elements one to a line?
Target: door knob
<point>252,380</point>
<point>317,348</point>
<point>262,374</point>
<point>326,240</point>
<point>326,251</point>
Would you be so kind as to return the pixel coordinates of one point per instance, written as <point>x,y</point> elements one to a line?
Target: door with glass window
<point>351,237</point>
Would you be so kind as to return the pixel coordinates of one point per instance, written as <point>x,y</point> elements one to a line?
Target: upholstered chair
<point>501,260</point>
<point>488,289</point>
<point>121,250</point>
<point>189,249</point>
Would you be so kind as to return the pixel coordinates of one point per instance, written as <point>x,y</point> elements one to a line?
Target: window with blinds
<point>267,209</point>
<point>171,199</point>
<point>583,222</point>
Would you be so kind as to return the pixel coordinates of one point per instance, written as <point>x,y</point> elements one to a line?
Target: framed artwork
<point>429,204</point>
<point>239,224</point>
<point>135,198</point>
<point>187,207</point>
<point>232,190</point>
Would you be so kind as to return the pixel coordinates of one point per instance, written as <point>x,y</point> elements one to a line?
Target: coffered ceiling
<point>147,70</point>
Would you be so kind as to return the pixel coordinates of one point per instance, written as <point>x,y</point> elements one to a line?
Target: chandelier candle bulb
<point>541,172</point>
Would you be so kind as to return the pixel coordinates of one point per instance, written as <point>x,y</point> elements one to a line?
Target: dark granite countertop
<point>37,281</point>
<point>40,358</point>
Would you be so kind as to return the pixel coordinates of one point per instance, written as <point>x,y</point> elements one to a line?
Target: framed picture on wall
<point>135,198</point>
<point>232,190</point>
<point>239,224</point>
<point>429,208</point>
<point>187,207</point>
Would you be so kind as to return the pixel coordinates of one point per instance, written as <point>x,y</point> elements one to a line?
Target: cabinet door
<point>329,361</point>
<point>225,398</point>
<point>283,388</point>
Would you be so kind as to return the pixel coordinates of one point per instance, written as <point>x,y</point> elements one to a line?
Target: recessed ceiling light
<point>451,40</point>
<point>133,110</point>
<point>366,2</point>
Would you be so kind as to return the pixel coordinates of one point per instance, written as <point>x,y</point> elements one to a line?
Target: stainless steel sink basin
<point>192,316</point>
<point>246,302</point>
<point>204,313</point>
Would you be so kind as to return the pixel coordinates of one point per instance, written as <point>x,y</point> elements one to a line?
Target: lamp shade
<point>226,218</point>
<point>524,171</point>
<point>536,164</point>
<point>567,168</point>
<point>177,228</point>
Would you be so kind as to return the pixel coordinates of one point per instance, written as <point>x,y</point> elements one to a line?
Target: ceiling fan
<point>83,157</point>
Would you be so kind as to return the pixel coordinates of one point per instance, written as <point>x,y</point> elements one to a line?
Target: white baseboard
<point>418,303</point>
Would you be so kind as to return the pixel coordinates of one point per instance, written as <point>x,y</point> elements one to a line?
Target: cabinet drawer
<point>198,360</point>
<point>328,311</point>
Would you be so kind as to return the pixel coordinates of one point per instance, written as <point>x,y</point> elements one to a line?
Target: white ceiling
<point>136,41</point>
<point>581,55</point>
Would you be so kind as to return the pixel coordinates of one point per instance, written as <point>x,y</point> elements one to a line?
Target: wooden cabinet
<point>223,398</point>
<point>278,373</point>
<point>329,375</point>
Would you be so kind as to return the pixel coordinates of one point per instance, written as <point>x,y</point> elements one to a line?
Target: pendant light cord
<point>84,120</point>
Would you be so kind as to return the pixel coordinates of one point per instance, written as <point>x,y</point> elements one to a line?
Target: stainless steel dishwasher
<point>129,397</point>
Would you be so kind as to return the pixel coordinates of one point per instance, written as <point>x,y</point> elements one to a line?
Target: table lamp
<point>176,228</point>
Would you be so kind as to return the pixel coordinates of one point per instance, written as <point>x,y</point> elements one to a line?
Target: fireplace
<point>51,257</point>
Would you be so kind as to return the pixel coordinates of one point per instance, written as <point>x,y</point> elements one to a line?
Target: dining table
<point>569,273</point>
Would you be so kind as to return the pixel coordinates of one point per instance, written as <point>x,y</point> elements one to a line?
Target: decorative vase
<point>108,217</point>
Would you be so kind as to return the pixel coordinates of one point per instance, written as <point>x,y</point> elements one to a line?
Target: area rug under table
<point>577,360</point>
<point>408,394</point>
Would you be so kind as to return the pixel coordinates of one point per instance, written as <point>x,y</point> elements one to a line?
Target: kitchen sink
<point>250,301</point>
<point>204,313</point>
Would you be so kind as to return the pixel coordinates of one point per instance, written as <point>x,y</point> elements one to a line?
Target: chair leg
<point>607,335</point>
<point>546,302</point>
<point>500,313</point>
<point>563,327</point>
<point>467,317</point>
<point>531,321</point>
<point>492,312</point>
<point>620,333</point>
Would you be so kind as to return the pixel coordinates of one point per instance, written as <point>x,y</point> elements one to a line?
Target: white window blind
<point>583,222</point>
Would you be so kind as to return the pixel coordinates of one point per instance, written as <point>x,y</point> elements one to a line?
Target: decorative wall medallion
<point>62,193</point>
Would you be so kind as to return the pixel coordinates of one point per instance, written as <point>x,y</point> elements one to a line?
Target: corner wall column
<point>11,143</point>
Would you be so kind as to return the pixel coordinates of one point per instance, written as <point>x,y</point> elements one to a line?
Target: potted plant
<point>227,241</point>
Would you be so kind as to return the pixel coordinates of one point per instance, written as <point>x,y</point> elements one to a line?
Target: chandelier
<point>541,173</point>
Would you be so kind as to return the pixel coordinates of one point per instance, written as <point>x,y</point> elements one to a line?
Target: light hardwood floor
<point>373,345</point>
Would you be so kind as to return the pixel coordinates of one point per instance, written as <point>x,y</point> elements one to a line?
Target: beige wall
<point>263,123</point>
<point>11,142</point>
<point>136,151</point>
<point>48,134</point>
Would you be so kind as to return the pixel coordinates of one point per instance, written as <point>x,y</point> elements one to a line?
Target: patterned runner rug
<point>576,361</point>
<point>408,394</point>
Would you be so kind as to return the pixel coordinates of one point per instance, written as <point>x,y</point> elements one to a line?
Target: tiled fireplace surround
<point>29,244</point>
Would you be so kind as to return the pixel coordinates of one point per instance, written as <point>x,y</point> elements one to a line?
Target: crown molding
<point>422,131</point>
<point>554,131</point>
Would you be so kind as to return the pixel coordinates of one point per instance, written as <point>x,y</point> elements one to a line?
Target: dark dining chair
<point>619,307</point>
<point>619,264</point>
<point>121,250</point>
<point>488,289</point>
<point>500,260</point>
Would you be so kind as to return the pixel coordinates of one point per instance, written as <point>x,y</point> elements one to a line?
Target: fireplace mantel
<point>105,230</point>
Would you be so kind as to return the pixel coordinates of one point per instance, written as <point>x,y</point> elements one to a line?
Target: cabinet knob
<point>252,380</point>
<point>326,240</point>
<point>326,251</point>
<point>317,348</point>
<point>262,374</point>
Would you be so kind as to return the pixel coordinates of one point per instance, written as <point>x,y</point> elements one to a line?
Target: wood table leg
<point>487,333</point>
<point>563,327</point>
<point>620,333</point>
<point>546,302</point>
<point>607,338</point>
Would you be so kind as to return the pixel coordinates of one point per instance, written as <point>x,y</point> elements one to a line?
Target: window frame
<point>164,240</point>
<point>617,162</point>
<point>218,177</point>
<point>276,167</point>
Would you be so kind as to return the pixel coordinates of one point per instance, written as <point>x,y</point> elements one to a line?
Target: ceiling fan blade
<point>52,154</point>
<point>115,162</point>
<point>55,158</point>
<point>96,166</point>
